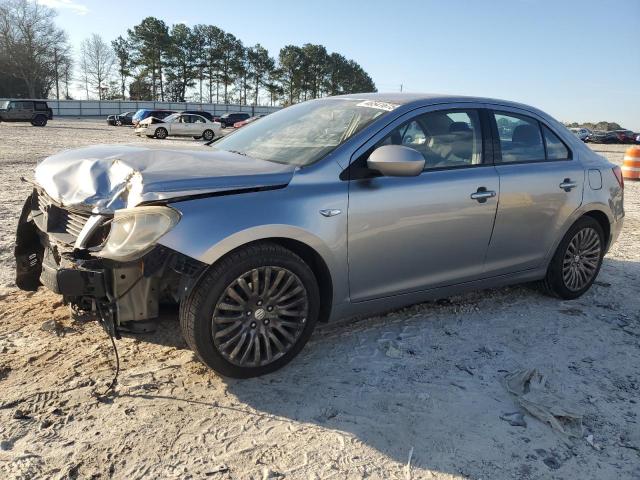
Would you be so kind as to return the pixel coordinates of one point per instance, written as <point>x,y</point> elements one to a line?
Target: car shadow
<point>427,379</point>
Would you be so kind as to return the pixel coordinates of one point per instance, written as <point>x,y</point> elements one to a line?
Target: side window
<point>197,119</point>
<point>520,138</point>
<point>41,106</point>
<point>451,138</point>
<point>24,105</point>
<point>556,150</point>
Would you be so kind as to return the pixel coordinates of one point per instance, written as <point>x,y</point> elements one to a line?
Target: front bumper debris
<point>74,282</point>
<point>126,292</point>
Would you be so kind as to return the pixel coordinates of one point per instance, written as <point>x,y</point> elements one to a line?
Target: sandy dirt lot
<point>416,393</point>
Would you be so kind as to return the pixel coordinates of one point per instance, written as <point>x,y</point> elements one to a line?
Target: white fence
<point>93,108</point>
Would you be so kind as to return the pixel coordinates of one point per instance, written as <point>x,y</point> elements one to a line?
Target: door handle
<point>567,185</point>
<point>482,194</point>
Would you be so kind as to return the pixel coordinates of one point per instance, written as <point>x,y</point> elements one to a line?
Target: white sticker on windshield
<point>379,105</point>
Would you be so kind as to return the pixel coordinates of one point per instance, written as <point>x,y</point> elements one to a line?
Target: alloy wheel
<point>260,316</point>
<point>581,259</point>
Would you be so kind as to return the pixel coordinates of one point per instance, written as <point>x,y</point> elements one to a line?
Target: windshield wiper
<point>239,153</point>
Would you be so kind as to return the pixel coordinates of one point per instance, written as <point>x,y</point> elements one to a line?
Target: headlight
<point>135,230</point>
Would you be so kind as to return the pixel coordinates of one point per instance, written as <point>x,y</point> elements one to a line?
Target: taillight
<point>617,171</point>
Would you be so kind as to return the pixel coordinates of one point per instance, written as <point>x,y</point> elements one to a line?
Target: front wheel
<point>252,312</point>
<point>208,135</point>
<point>577,261</point>
<point>161,133</point>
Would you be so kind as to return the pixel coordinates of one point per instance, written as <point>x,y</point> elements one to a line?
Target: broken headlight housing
<point>134,231</point>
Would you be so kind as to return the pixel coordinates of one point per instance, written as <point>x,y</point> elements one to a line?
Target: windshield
<point>304,133</point>
<point>172,118</point>
<point>4,105</point>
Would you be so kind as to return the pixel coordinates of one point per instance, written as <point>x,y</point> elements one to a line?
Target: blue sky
<point>577,60</point>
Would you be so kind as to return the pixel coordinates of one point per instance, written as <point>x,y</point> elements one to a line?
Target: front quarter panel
<point>213,226</point>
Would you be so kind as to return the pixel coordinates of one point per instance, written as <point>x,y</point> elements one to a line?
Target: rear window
<point>520,138</point>
<point>524,139</point>
<point>556,150</point>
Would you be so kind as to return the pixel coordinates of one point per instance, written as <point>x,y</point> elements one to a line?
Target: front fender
<point>212,227</point>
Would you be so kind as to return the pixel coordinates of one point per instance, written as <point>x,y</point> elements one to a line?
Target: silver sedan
<point>331,208</point>
<point>179,125</point>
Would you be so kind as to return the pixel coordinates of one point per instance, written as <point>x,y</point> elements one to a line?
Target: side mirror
<point>396,161</point>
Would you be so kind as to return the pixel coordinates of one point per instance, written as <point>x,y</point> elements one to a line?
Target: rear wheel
<point>161,133</point>
<point>576,263</point>
<point>208,135</point>
<point>39,121</point>
<point>252,312</point>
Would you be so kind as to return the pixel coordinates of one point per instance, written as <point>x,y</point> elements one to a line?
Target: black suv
<point>35,111</point>
<point>228,119</point>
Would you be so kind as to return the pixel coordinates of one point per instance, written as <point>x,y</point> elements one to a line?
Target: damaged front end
<point>105,265</point>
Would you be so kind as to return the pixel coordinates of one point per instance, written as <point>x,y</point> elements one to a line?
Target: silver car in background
<point>179,125</point>
<point>331,208</point>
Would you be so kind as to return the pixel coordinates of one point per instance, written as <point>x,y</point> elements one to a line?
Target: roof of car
<point>406,98</point>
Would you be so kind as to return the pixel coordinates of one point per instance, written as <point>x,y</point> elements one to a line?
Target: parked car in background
<point>145,113</point>
<point>330,208</point>
<point>615,136</point>
<point>581,133</point>
<point>36,112</point>
<point>179,125</point>
<point>242,123</point>
<point>228,119</point>
<point>600,136</point>
<point>204,114</point>
<point>638,138</point>
<point>121,119</point>
<point>625,136</point>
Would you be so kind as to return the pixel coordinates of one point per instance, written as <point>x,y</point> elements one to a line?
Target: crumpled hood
<point>105,178</point>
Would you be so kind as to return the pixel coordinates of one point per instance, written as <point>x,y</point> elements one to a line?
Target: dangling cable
<point>109,329</point>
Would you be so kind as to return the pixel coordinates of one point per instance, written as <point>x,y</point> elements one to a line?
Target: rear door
<point>409,234</point>
<point>540,187</point>
<point>181,125</point>
<point>197,125</point>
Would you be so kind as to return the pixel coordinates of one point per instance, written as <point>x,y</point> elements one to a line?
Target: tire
<point>39,121</point>
<point>212,340</point>
<point>161,133</point>
<point>585,262</point>
<point>208,135</point>
<point>118,123</point>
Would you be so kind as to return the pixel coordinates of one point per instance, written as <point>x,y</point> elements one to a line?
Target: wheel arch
<point>315,262</point>
<point>598,212</point>
<point>307,246</point>
<point>602,219</point>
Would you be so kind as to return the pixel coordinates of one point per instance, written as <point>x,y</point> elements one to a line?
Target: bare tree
<point>29,46</point>
<point>96,63</point>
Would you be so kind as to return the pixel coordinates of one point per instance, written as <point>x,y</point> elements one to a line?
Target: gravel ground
<point>416,393</point>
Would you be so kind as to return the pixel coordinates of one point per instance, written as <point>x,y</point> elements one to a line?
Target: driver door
<point>13,111</point>
<point>407,234</point>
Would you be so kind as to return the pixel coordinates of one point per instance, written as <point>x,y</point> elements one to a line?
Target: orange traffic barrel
<point>631,164</point>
